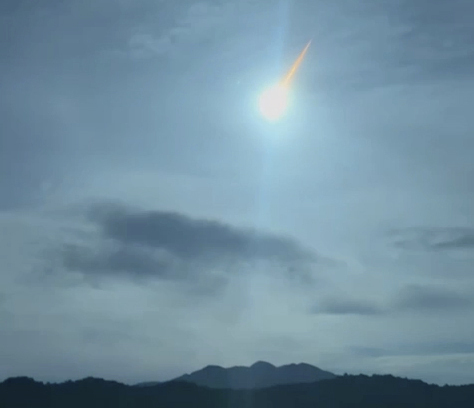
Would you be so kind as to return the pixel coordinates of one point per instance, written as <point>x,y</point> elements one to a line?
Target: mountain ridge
<point>260,374</point>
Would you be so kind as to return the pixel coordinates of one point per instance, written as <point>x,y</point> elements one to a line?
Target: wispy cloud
<point>411,298</point>
<point>334,306</point>
<point>434,239</point>
<point>430,299</point>
<point>417,349</point>
<point>187,23</point>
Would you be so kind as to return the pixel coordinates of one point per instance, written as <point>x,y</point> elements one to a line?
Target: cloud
<point>434,239</point>
<point>425,348</point>
<point>115,260</point>
<point>173,246</point>
<point>347,307</point>
<point>191,238</point>
<point>430,298</point>
<point>145,45</point>
<point>441,348</point>
<point>465,241</point>
<point>191,23</point>
<point>438,38</point>
<point>410,298</point>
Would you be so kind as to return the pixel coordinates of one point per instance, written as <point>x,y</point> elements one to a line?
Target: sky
<point>152,222</point>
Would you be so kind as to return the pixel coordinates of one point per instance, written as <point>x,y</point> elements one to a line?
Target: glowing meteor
<point>291,73</point>
<point>274,100</point>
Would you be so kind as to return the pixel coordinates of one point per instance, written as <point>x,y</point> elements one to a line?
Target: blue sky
<point>153,223</point>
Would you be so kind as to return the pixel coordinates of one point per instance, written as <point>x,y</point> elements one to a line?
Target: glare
<point>273,102</point>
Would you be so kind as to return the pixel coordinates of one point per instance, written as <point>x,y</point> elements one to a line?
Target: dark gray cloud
<point>434,239</point>
<point>430,299</point>
<point>464,241</point>
<point>169,245</point>
<point>190,238</point>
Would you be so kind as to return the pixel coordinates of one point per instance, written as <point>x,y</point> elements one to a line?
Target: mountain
<point>259,375</point>
<point>342,392</point>
<point>148,384</point>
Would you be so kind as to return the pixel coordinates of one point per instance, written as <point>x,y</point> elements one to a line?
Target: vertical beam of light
<point>267,179</point>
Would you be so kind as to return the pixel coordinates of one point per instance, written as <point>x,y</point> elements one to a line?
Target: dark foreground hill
<point>342,392</point>
<point>259,375</point>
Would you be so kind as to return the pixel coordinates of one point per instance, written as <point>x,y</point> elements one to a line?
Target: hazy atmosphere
<point>152,222</point>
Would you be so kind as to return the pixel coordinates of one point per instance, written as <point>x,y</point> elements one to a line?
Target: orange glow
<point>291,73</point>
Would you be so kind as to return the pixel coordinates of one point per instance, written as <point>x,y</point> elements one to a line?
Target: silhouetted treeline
<point>343,392</point>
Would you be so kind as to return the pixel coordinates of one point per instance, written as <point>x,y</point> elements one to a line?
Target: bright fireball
<point>273,102</point>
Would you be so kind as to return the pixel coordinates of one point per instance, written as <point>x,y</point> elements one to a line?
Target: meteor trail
<point>274,100</point>
<point>291,73</point>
